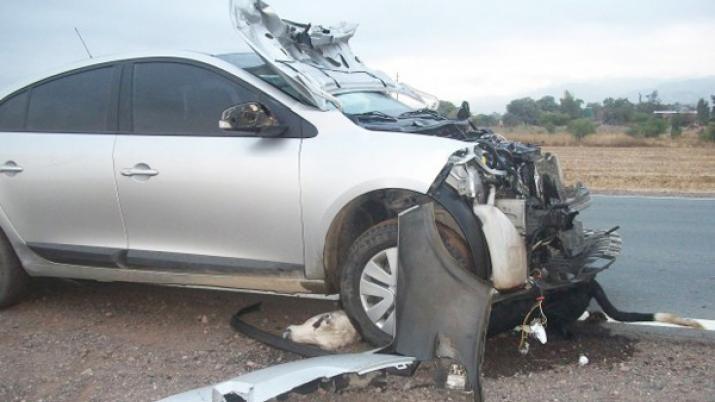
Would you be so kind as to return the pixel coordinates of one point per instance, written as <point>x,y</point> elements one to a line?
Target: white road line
<point>707,324</point>
<point>653,197</point>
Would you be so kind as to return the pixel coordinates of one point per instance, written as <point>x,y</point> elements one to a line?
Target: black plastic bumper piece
<point>442,310</point>
<point>269,339</point>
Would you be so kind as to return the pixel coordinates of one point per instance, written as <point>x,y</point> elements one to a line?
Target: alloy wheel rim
<point>378,283</point>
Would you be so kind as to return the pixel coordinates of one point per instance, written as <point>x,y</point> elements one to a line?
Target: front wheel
<point>368,280</point>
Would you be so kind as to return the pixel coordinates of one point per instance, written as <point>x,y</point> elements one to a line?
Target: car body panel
<point>66,193</point>
<point>348,161</point>
<point>236,197</point>
<point>271,382</point>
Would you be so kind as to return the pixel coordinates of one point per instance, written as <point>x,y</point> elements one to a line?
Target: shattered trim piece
<point>262,385</point>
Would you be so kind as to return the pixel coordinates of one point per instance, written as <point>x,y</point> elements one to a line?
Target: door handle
<point>139,170</point>
<point>11,168</point>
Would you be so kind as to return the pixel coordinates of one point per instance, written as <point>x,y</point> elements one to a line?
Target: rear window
<point>75,103</point>
<point>12,112</point>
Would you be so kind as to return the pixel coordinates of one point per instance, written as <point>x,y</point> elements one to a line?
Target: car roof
<point>180,54</point>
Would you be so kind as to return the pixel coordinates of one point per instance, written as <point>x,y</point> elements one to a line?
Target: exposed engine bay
<point>517,182</point>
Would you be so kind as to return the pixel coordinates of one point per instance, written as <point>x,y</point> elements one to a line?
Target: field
<point>611,161</point>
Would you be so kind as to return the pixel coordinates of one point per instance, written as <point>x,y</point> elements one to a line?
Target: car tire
<point>376,240</point>
<point>13,278</point>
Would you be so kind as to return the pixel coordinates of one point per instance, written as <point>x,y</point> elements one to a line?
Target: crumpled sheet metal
<point>315,60</point>
<point>262,385</point>
<point>442,310</point>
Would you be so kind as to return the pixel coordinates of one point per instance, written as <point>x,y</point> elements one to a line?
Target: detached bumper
<point>442,310</point>
<point>271,382</point>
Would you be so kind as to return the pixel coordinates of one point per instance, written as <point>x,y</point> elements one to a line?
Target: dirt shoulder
<point>118,342</point>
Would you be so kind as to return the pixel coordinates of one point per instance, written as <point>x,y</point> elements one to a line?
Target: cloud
<point>463,49</point>
<point>519,64</point>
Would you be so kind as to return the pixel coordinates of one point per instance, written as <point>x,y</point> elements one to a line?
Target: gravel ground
<point>73,341</point>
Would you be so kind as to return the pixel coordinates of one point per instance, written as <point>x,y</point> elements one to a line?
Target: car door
<point>196,198</point>
<point>57,183</point>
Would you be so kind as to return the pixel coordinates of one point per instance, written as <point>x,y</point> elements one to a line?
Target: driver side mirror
<point>253,118</point>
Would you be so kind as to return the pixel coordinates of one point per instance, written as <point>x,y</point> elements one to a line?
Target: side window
<point>175,98</point>
<point>76,103</point>
<point>12,112</point>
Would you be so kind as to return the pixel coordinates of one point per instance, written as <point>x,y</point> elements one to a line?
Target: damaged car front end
<point>541,259</point>
<point>508,200</point>
<point>515,193</point>
<point>528,216</point>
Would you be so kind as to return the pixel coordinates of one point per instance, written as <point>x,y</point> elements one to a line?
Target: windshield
<point>366,102</point>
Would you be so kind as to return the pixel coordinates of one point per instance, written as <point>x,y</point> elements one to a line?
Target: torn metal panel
<point>267,383</point>
<point>442,310</point>
<point>315,60</point>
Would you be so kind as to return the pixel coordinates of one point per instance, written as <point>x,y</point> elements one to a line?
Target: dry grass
<point>674,170</point>
<point>612,161</point>
<point>607,136</point>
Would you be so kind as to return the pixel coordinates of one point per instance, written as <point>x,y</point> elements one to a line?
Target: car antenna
<point>79,35</point>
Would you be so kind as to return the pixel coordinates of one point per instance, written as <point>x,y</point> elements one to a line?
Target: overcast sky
<point>458,49</point>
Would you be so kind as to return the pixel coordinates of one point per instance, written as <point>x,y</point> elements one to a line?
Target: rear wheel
<point>368,279</point>
<point>13,279</point>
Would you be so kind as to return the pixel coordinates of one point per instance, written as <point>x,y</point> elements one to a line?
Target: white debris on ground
<point>582,360</point>
<point>535,330</point>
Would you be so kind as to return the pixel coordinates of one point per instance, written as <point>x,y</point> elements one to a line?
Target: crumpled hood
<point>315,60</point>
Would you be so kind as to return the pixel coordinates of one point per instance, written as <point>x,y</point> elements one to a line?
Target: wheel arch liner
<point>442,310</point>
<point>469,224</point>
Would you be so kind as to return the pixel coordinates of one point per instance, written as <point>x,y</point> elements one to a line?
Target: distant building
<point>689,116</point>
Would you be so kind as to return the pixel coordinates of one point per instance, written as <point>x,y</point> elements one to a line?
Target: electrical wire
<point>524,334</point>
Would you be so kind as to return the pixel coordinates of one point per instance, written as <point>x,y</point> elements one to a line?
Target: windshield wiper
<point>373,115</point>
<point>423,112</point>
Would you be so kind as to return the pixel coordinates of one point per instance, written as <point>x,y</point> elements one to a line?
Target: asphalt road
<point>668,260</point>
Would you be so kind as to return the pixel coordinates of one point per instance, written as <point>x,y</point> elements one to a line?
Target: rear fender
<point>18,244</point>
